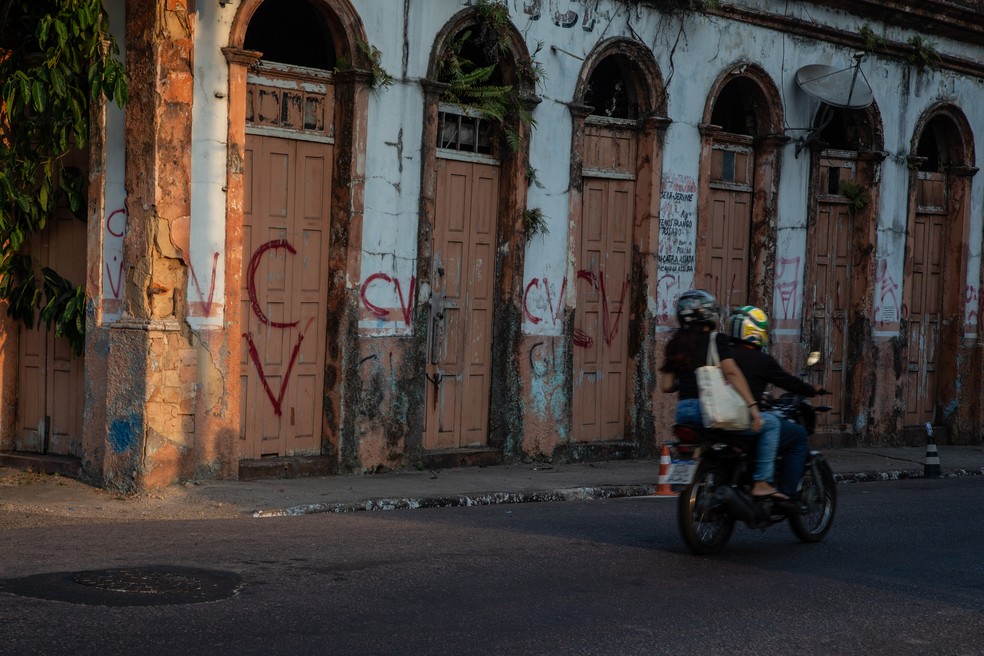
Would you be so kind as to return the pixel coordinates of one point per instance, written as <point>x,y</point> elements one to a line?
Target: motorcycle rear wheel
<point>822,503</point>
<point>704,522</point>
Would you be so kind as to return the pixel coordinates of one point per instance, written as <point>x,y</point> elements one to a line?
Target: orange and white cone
<point>663,488</point>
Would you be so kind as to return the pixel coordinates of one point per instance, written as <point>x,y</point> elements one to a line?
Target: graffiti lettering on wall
<point>676,255</point>
<point>563,13</point>
<point>203,307</point>
<point>254,354</point>
<point>787,285</point>
<point>113,231</point>
<point>609,327</point>
<point>972,305</point>
<point>548,391</point>
<point>406,303</point>
<point>887,307</point>
<point>554,312</point>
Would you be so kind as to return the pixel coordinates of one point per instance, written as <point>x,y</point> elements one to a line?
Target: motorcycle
<point>719,490</point>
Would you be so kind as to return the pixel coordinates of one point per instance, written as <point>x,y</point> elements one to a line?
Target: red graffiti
<point>788,285</point>
<point>207,305</point>
<point>597,282</point>
<point>406,304</point>
<point>254,354</point>
<point>667,300</point>
<point>888,287</point>
<point>109,222</point>
<point>115,286</point>
<point>555,313</point>
<point>254,264</point>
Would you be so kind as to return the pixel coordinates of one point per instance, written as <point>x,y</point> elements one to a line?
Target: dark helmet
<point>697,307</point>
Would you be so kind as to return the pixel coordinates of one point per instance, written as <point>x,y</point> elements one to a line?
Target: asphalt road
<point>901,572</point>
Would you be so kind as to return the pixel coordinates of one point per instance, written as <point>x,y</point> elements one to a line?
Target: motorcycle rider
<point>748,327</point>
<point>698,314</point>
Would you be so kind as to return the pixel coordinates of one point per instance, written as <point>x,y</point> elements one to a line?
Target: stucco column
<point>149,393</point>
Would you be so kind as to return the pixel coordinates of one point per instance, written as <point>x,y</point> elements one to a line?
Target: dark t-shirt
<point>687,380</point>
<point>761,369</point>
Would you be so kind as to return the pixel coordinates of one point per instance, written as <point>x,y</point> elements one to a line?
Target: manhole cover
<point>132,586</point>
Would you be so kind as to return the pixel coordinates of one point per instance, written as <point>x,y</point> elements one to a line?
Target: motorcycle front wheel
<point>820,499</point>
<point>704,522</point>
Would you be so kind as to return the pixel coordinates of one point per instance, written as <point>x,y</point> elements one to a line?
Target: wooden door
<point>829,294</point>
<point>604,268</point>
<point>728,232</point>
<point>924,298</point>
<point>600,318</point>
<point>459,362</point>
<point>50,386</point>
<point>285,272</point>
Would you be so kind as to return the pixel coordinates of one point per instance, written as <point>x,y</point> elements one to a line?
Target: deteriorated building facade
<point>300,251</point>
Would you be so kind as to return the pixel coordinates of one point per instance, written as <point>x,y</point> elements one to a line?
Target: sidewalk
<point>28,499</point>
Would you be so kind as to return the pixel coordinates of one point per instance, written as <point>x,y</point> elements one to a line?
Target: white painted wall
<point>114,220</point>
<point>691,53</point>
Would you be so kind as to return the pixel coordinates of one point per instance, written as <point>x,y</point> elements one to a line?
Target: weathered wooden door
<point>459,362</point>
<point>729,227</point>
<point>603,281</point>
<point>829,296</point>
<point>924,297</point>
<point>50,386</point>
<point>286,221</point>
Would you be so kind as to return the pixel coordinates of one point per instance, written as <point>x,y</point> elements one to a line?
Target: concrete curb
<point>569,494</point>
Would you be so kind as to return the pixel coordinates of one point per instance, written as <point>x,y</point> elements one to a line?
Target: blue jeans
<point>688,412</point>
<point>794,445</point>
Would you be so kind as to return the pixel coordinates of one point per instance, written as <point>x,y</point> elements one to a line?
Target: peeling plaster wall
<point>183,409</point>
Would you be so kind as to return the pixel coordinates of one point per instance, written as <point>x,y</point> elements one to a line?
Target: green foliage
<point>923,53</point>
<point>872,42</point>
<point>380,77</point>
<point>857,197</point>
<point>535,223</point>
<point>470,85</point>
<point>56,58</point>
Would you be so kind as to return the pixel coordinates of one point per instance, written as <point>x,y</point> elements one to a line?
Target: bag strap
<point>712,351</point>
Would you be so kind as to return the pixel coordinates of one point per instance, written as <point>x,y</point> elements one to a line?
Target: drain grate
<point>134,586</point>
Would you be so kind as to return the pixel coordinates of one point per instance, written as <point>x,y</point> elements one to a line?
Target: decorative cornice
<point>242,57</point>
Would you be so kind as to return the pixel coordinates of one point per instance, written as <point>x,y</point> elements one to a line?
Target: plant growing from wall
<point>379,78</point>
<point>471,86</point>
<point>56,58</point>
<point>535,223</point>
<point>857,197</point>
<point>872,42</point>
<point>923,53</point>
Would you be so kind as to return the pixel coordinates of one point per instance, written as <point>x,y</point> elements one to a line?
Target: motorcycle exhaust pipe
<point>740,507</point>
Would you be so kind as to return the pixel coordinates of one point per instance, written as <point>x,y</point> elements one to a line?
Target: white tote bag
<point>720,404</point>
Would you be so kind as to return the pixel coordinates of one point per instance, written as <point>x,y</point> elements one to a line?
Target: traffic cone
<point>932,468</point>
<point>663,488</point>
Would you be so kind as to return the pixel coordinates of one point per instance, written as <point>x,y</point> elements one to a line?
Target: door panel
<point>728,234</point>
<point>51,386</point>
<point>459,368</point>
<point>601,315</point>
<point>830,294</point>
<point>285,243</point>
<point>924,298</point>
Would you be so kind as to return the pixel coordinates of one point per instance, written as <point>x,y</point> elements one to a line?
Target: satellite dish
<point>838,87</point>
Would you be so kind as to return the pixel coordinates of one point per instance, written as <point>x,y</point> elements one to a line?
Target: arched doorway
<point>935,262</point>
<point>470,256</point>
<point>288,166</point>
<point>840,242</point>
<point>615,138</point>
<point>739,182</point>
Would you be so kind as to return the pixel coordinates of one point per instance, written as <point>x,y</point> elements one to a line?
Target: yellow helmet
<point>750,324</point>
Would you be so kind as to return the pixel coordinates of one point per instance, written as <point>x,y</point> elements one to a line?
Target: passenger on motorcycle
<point>749,330</point>
<point>698,314</point>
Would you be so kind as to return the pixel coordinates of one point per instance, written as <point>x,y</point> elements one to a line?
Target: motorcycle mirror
<point>812,358</point>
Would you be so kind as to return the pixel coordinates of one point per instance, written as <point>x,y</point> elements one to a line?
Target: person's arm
<point>735,378</point>
<point>667,382</point>
<point>779,377</point>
